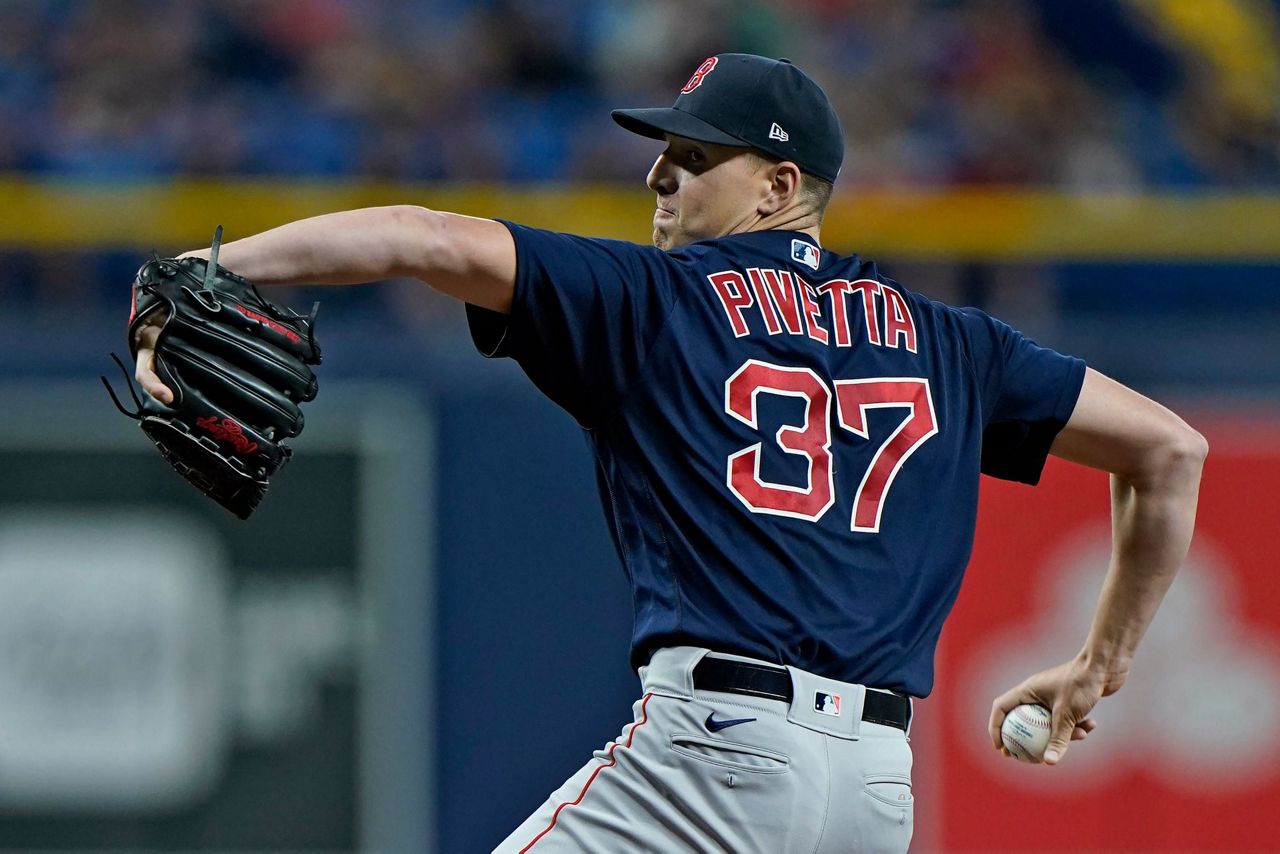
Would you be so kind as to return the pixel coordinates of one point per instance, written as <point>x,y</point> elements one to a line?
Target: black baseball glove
<point>238,368</point>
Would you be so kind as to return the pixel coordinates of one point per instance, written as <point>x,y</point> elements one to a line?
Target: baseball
<point>1025,732</point>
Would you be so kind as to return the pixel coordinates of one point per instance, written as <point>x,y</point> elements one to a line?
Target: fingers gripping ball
<point>238,366</point>
<point>1025,732</point>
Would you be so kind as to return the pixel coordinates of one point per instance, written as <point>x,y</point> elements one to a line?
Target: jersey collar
<point>805,253</point>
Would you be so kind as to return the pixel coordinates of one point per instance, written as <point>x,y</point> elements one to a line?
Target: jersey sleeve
<point>1028,394</point>
<point>584,315</point>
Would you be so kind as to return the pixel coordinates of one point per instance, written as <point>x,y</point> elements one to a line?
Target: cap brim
<point>654,122</point>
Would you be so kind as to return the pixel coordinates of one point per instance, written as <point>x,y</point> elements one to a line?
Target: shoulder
<point>943,315</point>
<point>965,320</point>
<point>565,253</point>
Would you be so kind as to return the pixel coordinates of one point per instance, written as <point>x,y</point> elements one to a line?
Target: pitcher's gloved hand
<point>224,370</point>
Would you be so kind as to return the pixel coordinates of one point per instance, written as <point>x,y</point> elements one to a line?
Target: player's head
<point>751,143</point>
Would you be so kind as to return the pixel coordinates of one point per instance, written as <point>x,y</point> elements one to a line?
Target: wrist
<point>1109,667</point>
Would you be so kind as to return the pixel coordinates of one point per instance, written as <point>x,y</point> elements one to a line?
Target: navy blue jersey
<point>788,443</point>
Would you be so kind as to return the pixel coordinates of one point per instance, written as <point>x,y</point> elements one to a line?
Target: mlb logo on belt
<point>806,253</point>
<point>826,704</point>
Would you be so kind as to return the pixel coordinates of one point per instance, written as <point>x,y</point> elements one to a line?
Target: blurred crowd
<point>1067,94</point>
<point>1086,94</point>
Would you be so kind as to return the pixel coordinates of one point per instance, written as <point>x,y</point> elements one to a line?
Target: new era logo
<point>776,132</point>
<point>826,704</point>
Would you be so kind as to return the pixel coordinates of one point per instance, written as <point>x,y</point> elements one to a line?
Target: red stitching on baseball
<point>1033,721</point>
<point>644,716</point>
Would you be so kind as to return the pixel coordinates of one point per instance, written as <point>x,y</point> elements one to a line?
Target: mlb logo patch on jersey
<point>806,253</point>
<point>826,704</point>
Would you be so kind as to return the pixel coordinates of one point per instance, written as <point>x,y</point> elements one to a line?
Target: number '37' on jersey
<point>788,443</point>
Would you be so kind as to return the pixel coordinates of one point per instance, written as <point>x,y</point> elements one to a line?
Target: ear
<point>784,184</point>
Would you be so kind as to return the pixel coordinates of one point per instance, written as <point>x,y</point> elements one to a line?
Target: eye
<point>696,156</point>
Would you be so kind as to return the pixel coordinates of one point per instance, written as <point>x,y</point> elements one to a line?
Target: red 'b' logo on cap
<point>703,70</point>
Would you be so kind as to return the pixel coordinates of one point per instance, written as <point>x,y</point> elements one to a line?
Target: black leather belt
<point>774,683</point>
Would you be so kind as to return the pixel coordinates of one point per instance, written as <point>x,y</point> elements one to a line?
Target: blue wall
<point>534,616</point>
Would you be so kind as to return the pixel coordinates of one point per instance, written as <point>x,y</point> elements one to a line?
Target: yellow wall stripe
<point>995,224</point>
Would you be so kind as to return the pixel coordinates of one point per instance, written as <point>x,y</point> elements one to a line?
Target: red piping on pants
<point>644,716</point>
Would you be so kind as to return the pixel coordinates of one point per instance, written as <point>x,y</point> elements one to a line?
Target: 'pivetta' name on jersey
<point>768,492</point>
<point>786,303</point>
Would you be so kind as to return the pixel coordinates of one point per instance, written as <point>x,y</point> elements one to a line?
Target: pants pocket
<point>890,811</point>
<point>891,789</point>
<point>729,754</point>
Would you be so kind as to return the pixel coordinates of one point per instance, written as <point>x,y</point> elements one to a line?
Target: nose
<point>661,178</point>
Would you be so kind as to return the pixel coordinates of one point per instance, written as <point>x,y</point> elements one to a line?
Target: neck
<point>792,219</point>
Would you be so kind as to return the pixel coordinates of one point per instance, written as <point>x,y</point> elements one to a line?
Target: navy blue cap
<point>745,100</point>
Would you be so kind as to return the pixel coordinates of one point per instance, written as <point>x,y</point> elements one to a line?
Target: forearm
<point>1152,523</point>
<point>343,248</point>
<point>465,257</point>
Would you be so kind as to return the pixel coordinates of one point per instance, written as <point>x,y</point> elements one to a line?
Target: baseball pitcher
<point>788,448</point>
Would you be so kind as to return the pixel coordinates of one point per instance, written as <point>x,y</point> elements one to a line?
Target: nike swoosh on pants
<point>715,726</point>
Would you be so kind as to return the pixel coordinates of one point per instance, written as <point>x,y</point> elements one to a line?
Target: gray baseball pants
<point>785,778</point>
